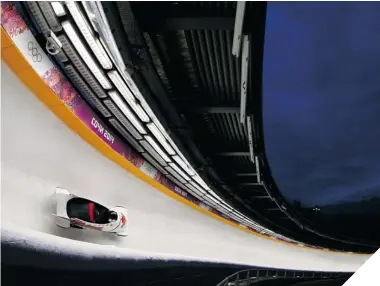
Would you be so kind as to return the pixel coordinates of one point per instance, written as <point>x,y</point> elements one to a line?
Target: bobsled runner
<point>82,213</point>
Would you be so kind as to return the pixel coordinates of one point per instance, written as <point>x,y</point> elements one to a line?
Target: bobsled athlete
<point>78,212</point>
<point>89,211</point>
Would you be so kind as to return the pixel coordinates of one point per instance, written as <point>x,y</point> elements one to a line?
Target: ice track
<point>40,153</point>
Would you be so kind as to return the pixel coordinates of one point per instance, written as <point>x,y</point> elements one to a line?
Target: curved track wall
<point>39,153</point>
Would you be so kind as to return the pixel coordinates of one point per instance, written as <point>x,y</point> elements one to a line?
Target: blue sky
<point>321,99</point>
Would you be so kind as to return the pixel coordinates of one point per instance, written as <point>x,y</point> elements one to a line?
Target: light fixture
<point>163,131</point>
<point>127,112</point>
<point>128,96</point>
<point>82,68</point>
<point>139,111</point>
<point>209,202</point>
<point>120,85</point>
<point>132,85</point>
<point>244,79</point>
<point>105,47</point>
<point>156,121</point>
<point>122,119</point>
<point>96,71</point>
<point>181,156</point>
<point>178,187</point>
<point>152,161</point>
<point>50,16</point>
<point>126,135</point>
<point>184,166</point>
<point>257,169</point>
<point>175,174</point>
<point>250,221</point>
<point>179,171</point>
<point>194,190</point>
<point>100,24</point>
<point>153,128</point>
<point>58,8</point>
<point>236,213</point>
<point>157,148</point>
<point>199,180</point>
<point>250,138</point>
<point>254,225</point>
<point>104,30</point>
<point>90,14</point>
<point>238,28</point>
<point>197,187</point>
<point>39,17</point>
<point>87,33</point>
<point>86,91</point>
<point>153,153</point>
<point>267,190</point>
<point>222,210</point>
<point>196,195</point>
<point>244,217</point>
<point>212,199</point>
<point>226,205</point>
<point>234,217</point>
<point>103,52</point>
<point>213,194</point>
<point>223,206</point>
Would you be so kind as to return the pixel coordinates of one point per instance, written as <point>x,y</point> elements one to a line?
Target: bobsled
<point>77,212</point>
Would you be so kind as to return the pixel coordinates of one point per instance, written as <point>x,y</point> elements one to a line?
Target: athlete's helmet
<point>112,216</point>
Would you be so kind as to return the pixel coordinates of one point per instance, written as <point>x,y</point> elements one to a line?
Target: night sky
<point>321,100</point>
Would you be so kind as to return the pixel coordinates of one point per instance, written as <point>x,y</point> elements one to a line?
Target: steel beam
<point>250,184</point>
<point>238,28</point>
<point>193,23</point>
<point>250,139</point>
<point>217,109</point>
<point>244,79</point>
<point>261,197</point>
<point>245,174</point>
<point>233,154</point>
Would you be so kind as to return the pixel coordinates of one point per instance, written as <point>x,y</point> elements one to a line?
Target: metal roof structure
<point>182,50</point>
<point>179,54</point>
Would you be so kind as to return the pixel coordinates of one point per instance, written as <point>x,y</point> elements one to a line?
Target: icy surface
<point>40,153</point>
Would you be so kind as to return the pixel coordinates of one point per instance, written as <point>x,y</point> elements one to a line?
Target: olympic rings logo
<point>33,52</point>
